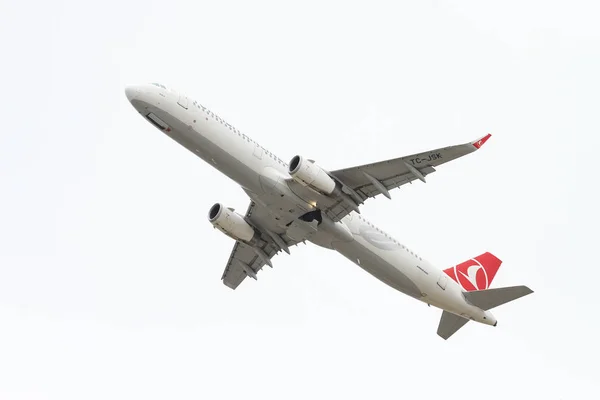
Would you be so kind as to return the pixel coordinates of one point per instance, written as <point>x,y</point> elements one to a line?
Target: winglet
<point>479,142</point>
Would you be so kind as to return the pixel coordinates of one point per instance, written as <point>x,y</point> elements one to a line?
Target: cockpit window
<point>159,85</point>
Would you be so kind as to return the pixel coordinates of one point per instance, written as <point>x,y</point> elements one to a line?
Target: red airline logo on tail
<point>477,273</point>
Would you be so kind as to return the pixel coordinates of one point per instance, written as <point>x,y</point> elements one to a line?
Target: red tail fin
<point>477,273</point>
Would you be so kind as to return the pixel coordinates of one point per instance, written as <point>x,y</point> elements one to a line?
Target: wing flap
<point>234,273</point>
<point>369,190</point>
<point>244,260</point>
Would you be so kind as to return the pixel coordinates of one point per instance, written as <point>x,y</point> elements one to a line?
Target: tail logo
<point>477,273</point>
<point>469,276</point>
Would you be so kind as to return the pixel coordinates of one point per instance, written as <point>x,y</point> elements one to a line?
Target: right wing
<point>247,261</point>
<point>369,180</point>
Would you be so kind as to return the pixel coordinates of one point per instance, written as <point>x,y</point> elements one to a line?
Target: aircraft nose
<point>131,92</point>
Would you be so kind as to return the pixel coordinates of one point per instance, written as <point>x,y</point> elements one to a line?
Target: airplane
<point>298,201</point>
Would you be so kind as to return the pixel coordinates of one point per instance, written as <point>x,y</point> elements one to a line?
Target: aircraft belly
<point>377,266</point>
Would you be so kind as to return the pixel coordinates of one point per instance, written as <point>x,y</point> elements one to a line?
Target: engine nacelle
<point>231,223</point>
<point>307,173</point>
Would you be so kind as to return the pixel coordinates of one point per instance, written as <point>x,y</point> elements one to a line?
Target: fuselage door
<point>183,101</point>
<point>258,152</point>
<point>443,280</point>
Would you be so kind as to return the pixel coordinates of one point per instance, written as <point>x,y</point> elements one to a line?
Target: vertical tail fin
<point>476,273</point>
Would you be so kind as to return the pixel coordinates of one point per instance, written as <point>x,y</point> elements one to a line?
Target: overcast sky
<point>110,272</point>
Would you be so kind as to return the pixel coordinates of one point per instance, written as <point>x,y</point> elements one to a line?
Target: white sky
<point>109,270</point>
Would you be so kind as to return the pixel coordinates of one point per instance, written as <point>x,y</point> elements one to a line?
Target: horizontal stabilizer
<point>449,324</point>
<point>490,298</point>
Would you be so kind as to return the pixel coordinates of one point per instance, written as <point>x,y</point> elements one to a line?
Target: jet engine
<point>307,173</point>
<point>231,223</point>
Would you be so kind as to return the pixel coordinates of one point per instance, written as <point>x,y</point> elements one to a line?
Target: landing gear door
<point>183,101</point>
<point>300,230</point>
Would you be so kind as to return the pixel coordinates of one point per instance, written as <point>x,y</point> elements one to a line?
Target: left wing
<point>246,260</point>
<point>370,180</point>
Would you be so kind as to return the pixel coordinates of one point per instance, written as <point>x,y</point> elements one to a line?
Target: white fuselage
<point>265,178</point>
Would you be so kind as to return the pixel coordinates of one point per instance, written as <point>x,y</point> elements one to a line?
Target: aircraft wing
<point>248,261</point>
<point>370,180</point>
